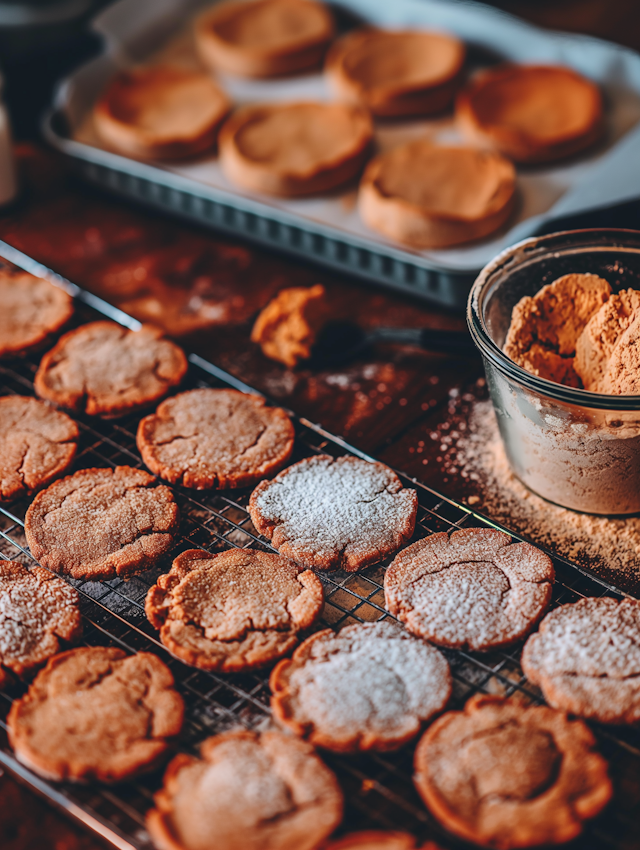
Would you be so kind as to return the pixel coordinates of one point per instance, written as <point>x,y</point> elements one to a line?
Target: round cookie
<point>368,687</point>
<point>378,840</point>
<point>474,589</point>
<point>32,310</point>
<point>290,149</point>
<point>335,514</point>
<point>37,611</point>
<point>586,659</point>
<point>101,523</point>
<point>96,713</point>
<point>503,774</point>
<point>215,438</point>
<point>247,791</point>
<point>234,611</point>
<point>106,370</point>
<point>37,444</point>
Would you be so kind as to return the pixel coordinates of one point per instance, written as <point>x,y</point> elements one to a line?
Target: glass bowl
<point>578,449</point>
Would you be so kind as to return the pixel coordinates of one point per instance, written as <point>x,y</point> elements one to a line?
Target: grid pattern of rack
<point>378,787</point>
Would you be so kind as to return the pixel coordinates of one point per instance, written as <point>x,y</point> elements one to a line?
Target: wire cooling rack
<point>378,788</point>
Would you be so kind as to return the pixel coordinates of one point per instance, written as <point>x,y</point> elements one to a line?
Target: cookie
<point>161,112</point>
<point>101,523</point>
<point>531,113</point>
<point>434,196</point>
<point>247,791</point>
<point>106,370</point>
<point>368,687</point>
<point>335,514</point>
<point>215,438</point>
<point>290,149</point>
<point>264,38</point>
<point>32,311</point>
<point>96,713</point>
<point>234,611</point>
<point>37,612</point>
<point>503,774</point>
<point>399,73</point>
<point>474,589</point>
<point>287,327</point>
<point>586,659</point>
<point>378,840</point>
<point>37,444</point>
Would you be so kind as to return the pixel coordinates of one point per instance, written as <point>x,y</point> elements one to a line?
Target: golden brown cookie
<point>586,659</point>
<point>503,774</point>
<point>37,611</point>
<point>32,311</point>
<point>247,791</point>
<point>295,148</point>
<point>378,840</point>
<point>161,112</point>
<point>531,113</point>
<point>396,73</point>
<point>432,196</point>
<point>335,514</point>
<point>234,611</point>
<point>106,370</point>
<point>215,438</point>
<point>96,713</point>
<point>369,687</point>
<point>37,444</point>
<point>264,38</point>
<point>101,523</point>
<point>287,327</point>
<point>474,589</point>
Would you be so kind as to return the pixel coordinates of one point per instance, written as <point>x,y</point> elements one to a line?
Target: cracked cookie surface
<point>474,589</point>
<point>234,611</point>
<point>37,611</point>
<point>104,369</point>
<point>96,713</point>
<point>101,523</point>
<point>209,438</point>
<point>368,687</point>
<point>335,514</point>
<point>247,791</point>
<point>503,774</point>
<point>37,444</point>
<point>32,310</point>
<point>586,659</point>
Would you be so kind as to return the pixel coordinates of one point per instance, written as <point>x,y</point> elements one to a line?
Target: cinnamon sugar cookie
<point>234,611</point>
<point>96,713</point>
<point>586,659</point>
<point>397,73</point>
<point>215,438</point>
<point>161,112</point>
<point>264,38</point>
<point>369,687</point>
<point>378,840</point>
<point>32,311</point>
<point>335,514</point>
<point>503,774</point>
<point>106,370</point>
<point>247,791</point>
<point>37,611</point>
<point>37,444</point>
<point>293,149</point>
<point>474,589</point>
<point>101,523</point>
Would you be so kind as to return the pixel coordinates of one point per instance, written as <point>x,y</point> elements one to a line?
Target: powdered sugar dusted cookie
<point>503,774</point>
<point>32,310</point>
<point>369,687</point>
<point>247,791</point>
<point>586,659</point>
<point>331,514</point>
<point>378,840</point>
<point>472,589</point>
<point>215,438</point>
<point>234,611</point>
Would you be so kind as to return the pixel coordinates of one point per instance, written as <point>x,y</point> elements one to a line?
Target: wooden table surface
<point>206,290</point>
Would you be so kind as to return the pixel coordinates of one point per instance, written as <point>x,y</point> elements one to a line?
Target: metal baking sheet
<point>327,228</point>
